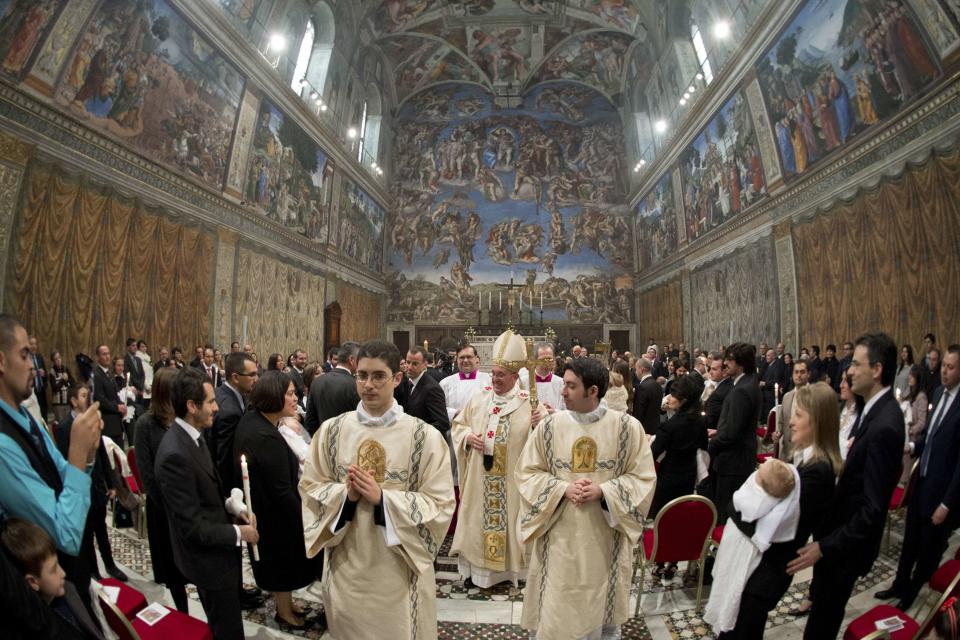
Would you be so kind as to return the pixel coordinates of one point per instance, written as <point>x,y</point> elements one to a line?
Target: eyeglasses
<point>378,378</point>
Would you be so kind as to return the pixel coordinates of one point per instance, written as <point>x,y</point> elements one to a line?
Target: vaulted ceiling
<point>508,46</point>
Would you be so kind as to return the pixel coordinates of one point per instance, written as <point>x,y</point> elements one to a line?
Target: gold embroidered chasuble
<point>486,535</point>
<point>580,563</point>
<point>372,590</point>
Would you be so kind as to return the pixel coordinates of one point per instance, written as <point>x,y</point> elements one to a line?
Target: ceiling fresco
<point>509,46</point>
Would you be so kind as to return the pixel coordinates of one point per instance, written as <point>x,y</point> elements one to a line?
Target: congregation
<point>550,466</point>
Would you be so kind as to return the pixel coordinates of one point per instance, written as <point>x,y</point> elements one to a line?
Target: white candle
<point>776,394</point>
<point>500,300</point>
<point>245,472</point>
<point>480,302</point>
<point>541,301</point>
<point>898,395</point>
<point>489,300</point>
<point>531,299</point>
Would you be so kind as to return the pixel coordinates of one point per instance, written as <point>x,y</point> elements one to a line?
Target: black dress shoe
<point>248,602</point>
<point>905,604</point>
<point>115,573</point>
<point>289,626</point>
<point>887,594</point>
<point>253,591</point>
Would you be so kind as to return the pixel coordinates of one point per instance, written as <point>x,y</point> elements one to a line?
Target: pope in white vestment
<point>586,480</point>
<point>488,436</point>
<point>377,500</point>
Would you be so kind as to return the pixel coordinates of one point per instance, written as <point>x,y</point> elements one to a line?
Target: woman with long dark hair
<point>902,381</point>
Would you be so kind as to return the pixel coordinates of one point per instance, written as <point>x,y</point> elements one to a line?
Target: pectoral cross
<point>531,364</point>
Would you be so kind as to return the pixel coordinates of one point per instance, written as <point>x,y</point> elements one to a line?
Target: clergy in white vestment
<point>488,436</point>
<point>586,480</point>
<point>549,385</point>
<point>461,386</point>
<point>377,500</point>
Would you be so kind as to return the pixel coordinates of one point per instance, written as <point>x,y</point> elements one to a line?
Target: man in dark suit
<point>849,540</point>
<point>298,360</point>
<point>774,378</point>
<point>204,539</point>
<point>336,392</point>
<point>133,367</point>
<point>331,361</point>
<point>209,368</point>
<point>241,374</point>
<point>713,404</point>
<point>733,446</point>
<point>647,396</point>
<point>420,394</point>
<point>934,508</point>
<point>39,376</point>
<point>105,392</point>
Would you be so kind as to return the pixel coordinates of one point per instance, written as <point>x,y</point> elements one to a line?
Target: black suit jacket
<point>733,451</point>
<point>854,526</point>
<point>133,366</point>
<point>427,401</point>
<point>714,404</point>
<point>105,392</point>
<point>646,404</point>
<point>220,437</point>
<point>204,540</point>
<point>103,477</point>
<point>941,485</point>
<point>331,394</point>
<point>217,374</point>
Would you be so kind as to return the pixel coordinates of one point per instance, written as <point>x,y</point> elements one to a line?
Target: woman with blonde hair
<point>815,426</point>
<point>616,395</point>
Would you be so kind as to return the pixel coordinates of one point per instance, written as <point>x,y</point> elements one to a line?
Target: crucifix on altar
<point>509,288</point>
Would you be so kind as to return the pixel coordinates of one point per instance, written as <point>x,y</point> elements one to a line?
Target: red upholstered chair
<point>899,500</point>
<point>681,532</point>
<point>138,481</point>
<point>130,601</point>
<point>173,625</point>
<point>865,626</point>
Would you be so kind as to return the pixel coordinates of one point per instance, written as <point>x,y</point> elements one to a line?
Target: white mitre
<point>509,351</point>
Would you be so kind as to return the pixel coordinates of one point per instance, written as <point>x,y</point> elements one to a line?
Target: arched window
<point>701,53</point>
<point>318,61</point>
<point>370,126</point>
<point>303,56</point>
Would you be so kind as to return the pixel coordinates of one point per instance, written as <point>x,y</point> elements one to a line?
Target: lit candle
<point>426,345</point>
<point>500,300</point>
<point>541,301</point>
<point>245,472</point>
<point>776,394</point>
<point>898,395</point>
<point>128,380</point>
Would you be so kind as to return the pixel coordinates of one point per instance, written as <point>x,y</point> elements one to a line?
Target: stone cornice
<point>931,124</point>
<point>243,54</point>
<point>60,138</point>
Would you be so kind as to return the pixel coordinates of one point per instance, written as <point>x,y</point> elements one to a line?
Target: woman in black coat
<point>273,472</point>
<point>679,438</point>
<point>815,429</point>
<point>149,431</point>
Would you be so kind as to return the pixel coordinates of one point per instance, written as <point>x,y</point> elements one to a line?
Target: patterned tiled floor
<point>470,614</point>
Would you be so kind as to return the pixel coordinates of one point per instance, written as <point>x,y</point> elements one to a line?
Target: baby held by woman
<point>766,509</point>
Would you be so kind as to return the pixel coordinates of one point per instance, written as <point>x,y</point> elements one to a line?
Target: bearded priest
<point>586,480</point>
<point>488,436</point>
<point>377,499</point>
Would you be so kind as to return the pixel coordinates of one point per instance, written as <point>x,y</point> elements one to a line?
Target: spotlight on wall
<point>303,83</point>
<point>379,171</point>
<point>314,95</point>
<point>277,42</point>
<point>660,126</point>
<point>642,162</point>
<point>721,30</point>
<point>323,107</point>
<point>699,76</point>
<point>683,102</point>
<point>691,89</point>
<point>686,96</point>
<point>351,133</point>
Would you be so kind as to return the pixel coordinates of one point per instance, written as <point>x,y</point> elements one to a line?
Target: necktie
<point>210,372</point>
<point>934,425</point>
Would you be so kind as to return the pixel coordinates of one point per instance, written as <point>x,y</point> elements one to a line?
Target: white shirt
<point>551,392</point>
<point>414,381</point>
<point>737,379</point>
<point>458,392</point>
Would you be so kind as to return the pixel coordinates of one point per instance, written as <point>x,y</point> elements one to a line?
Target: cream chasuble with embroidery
<point>486,535</point>
<point>581,557</point>
<point>378,581</point>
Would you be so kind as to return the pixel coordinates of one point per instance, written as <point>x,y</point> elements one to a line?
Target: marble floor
<point>667,610</point>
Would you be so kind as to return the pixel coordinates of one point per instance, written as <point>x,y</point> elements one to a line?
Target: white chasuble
<point>378,581</point>
<point>582,556</point>
<point>486,536</point>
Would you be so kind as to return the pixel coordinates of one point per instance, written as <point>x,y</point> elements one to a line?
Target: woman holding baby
<point>815,427</point>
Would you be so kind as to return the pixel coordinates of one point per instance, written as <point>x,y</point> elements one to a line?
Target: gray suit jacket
<point>785,412</point>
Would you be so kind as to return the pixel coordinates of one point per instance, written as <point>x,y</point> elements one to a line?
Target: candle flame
<point>243,458</point>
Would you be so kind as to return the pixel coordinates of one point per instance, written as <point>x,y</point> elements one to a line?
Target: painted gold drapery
<point>661,315</point>
<point>887,261</point>
<point>91,266</point>
<point>361,313</point>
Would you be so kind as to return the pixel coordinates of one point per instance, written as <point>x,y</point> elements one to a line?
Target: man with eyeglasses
<point>460,387</point>
<point>377,500</point>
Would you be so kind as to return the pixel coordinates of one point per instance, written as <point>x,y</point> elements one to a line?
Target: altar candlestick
<point>245,472</point>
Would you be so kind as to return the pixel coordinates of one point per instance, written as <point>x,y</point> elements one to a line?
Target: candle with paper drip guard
<point>245,472</point>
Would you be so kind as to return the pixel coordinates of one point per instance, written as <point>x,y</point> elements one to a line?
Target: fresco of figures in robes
<point>289,176</point>
<point>721,171</point>
<point>140,73</point>
<point>361,226</point>
<point>840,67</point>
<point>23,26</point>
<point>484,194</point>
<point>657,223</point>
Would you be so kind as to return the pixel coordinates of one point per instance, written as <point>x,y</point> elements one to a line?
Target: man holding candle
<point>203,535</point>
<point>377,499</point>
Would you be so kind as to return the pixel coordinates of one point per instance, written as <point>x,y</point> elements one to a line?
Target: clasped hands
<point>582,491</point>
<point>362,484</point>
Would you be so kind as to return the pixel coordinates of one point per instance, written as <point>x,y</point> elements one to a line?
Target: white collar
<point>414,381</point>
<point>235,392</point>
<point>340,366</point>
<point>190,429</point>
<point>645,377</point>
<point>387,419</point>
<point>737,379</point>
<point>872,401</point>
<point>508,396</point>
<point>591,416</point>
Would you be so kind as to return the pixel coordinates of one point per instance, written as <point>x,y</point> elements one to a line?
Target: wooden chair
<point>899,500</point>
<point>681,532</point>
<point>865,627</point>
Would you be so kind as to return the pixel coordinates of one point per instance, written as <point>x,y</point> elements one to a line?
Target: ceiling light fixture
<point>721,30</point>
<point>660,126</point>
<point>323,107</point>
<point>699,76</point>
<point>303,82</point>
<point>314,95</point>
<point>691,89</point>
<point>683,102</point>
<point>277,42</point>
<point>351,133</point>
